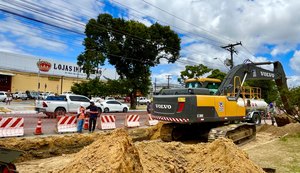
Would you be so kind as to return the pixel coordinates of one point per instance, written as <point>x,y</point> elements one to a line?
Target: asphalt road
<point>49,125</point>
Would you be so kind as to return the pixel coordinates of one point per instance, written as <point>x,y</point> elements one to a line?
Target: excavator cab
<point>210,83</point>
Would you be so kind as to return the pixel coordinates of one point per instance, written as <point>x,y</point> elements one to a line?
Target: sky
<point>269,30</point>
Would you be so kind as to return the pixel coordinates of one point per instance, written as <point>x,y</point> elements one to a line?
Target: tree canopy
<point>198,71</point>
<point>130,46</point>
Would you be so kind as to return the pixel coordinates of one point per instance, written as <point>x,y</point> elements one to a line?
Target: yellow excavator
<point>207,114</point>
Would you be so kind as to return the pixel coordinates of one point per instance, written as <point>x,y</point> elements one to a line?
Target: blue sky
<point>268,29</point>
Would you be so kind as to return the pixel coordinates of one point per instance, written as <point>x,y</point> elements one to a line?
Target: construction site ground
<point>140,150</point>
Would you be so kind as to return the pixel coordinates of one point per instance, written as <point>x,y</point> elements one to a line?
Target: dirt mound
<point>115,152</point>
<point>45,147</point>
<point>288,129</point>
<point>110,153</point>
<point>221,155</point>
<point>283,119</point>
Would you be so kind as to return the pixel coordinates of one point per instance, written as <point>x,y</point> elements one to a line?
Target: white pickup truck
<point>60,105</point>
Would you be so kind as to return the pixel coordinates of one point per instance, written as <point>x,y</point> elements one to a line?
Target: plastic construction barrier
<point>132,121</point>
<point>107,122</point>
<point>66,124</point>
<point>11,126</point>
<point>150,121</point>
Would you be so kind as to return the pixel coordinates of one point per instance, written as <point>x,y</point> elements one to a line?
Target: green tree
<point>131,47</point>
<point>294,96</point>
<point>95,87</point>
<point>217,74</point>
<point>269,91</point>
<point>90,88</point>
<point>198,71</point>
<point>194,71</point>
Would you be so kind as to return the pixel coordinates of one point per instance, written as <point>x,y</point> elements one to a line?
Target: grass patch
<point>282,154</point>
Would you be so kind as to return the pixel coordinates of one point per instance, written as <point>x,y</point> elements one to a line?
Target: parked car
<point>142,100</point>
<point>43,96</point>
<point>32,94</point>
<point>55,106</point>
<point>114,106</point>
<point>126,99</point>
<point>20,95</point>
<point>67,92</point>
<point>3,96</point>
<point>16,95</point>
<point>109,98</point>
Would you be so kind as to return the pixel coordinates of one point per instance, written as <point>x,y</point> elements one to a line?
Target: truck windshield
<point>57,98</point>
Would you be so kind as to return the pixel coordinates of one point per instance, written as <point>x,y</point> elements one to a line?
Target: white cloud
<point>8,46</point>
<point>264,27</point>
<point>109,73</point>
<point>293,81</point>
<point>255,23</point>
<point>295,61</point>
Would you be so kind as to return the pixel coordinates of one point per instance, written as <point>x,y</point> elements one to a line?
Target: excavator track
<point>240,134</point>
<point>166,132</point>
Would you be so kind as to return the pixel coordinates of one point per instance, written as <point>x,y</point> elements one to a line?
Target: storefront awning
<point>6,74</point>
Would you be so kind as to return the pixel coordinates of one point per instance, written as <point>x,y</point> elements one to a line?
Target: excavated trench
<point>134,150</point>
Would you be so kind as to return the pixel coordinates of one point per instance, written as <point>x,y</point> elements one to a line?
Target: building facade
<point>23,72</point>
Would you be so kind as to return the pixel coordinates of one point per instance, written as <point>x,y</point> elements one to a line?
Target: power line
<point>113,30</point>
<point>182,19</point>
<point>36,20</point>
<point>168,23</point>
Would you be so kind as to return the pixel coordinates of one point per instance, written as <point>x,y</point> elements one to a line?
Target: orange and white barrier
<point>11,126</point>
<point>66,124</point>
<point>132,121</point>
<point>107,122</point>
<point>150,121</point>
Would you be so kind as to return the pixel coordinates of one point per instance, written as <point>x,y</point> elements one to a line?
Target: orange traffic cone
<point>38,129</point>
<point>86,124</point>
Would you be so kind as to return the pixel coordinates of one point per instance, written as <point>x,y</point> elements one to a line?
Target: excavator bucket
<point>8,155</point>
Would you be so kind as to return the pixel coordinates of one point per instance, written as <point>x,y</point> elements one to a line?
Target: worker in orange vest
<point>80,118</point>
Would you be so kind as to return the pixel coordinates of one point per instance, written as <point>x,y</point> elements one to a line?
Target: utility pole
<point>230,48</point>
<point>169,77</point>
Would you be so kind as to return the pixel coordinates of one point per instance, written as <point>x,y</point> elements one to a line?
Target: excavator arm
<point>252,70</point>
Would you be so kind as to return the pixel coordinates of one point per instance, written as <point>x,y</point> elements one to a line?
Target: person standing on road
<point>272,112</point>
<point>80,118</point>
<point>93,116</point>
<point>149,107</point>
<point>8,98</point>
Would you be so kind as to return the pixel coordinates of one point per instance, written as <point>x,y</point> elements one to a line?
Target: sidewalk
<point>17,107</point>
<point>139,108</point>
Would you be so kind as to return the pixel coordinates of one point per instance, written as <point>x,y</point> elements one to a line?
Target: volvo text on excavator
<point>210,115</point>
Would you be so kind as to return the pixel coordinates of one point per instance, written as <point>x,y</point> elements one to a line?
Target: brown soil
<point>117,151</point>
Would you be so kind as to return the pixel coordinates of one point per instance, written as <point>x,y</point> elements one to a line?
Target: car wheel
<point>125,109</point>
<point>106,110</point>
<point>256,119</point>
<point>59,112</point>
<point>100,110</point>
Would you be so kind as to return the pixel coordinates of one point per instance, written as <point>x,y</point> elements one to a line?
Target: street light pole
<point>169,77</point>
<point>222,62</point>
